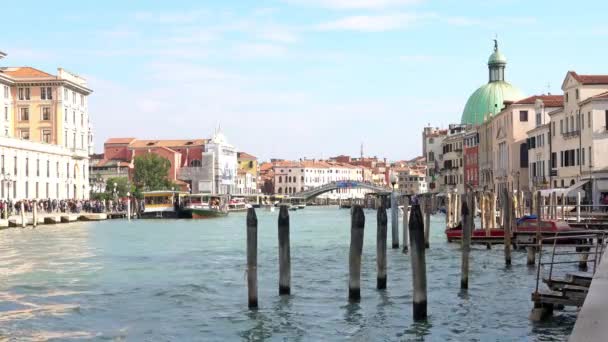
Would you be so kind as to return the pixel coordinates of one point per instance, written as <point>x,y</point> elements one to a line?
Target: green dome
<point>488,99</point>
<point>497,58</point>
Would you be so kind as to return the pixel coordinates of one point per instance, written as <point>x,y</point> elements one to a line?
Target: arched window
<point>572,182</point>
<point>196,163</point>
<point>280,180</point>
<point>280,190</point>
<point>302,189</point>
<point>302,178</point>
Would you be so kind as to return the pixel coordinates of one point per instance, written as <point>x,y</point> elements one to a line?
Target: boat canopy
<point>570,191</point>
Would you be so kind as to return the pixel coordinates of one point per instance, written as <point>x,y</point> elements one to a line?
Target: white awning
<point>570,191</point>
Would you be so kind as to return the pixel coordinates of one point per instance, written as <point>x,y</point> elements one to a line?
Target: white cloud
<point>257,50</point>
<point>372,23</point>
<point>278,35</point>
<point>354,4</point>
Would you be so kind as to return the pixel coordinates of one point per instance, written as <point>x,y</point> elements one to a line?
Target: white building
<point>432,139</point>
<point>44,134</point>
<point>224,163</point>
<point>452,168</point>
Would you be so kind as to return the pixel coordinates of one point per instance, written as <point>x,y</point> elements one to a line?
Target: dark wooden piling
<point>356,248</point>
<point>284,252</point>
<point>394,220</point>
<point>381,248</point>
<point>507,206</point>
<point>416,228</point>
<point>468,210</point>
<point>252,258</point>
<point>427,221</point>
<point>406,214</point>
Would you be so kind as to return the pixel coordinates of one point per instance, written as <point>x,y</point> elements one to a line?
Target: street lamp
<point>114,192</point>
<point>394,181</point>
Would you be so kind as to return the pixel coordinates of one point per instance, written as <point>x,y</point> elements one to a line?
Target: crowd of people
<point>10,207</point>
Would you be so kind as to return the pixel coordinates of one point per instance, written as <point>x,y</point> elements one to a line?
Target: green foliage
<point>151,173</point>
<point>122,187</point>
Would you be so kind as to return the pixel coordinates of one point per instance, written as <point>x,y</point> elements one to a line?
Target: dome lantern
<point>489,99</point>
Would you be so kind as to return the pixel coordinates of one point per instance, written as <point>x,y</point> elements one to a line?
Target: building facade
<point>44,134</point>
<point>432,139</point>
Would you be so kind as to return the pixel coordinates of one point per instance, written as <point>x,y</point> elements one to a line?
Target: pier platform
<point>592,321</point>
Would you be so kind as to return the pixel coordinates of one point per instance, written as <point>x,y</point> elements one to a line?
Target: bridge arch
<point>314,192</point>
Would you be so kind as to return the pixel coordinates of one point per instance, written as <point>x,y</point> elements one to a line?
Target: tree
<point>151,173</point>
<point>122,187</point>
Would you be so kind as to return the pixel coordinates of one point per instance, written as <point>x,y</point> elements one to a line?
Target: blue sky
<point>299,78</point>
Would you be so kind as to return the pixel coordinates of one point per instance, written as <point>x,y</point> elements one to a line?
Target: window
<point>74,117</point>
<point>46,93</point>
<point>81,119</point>
<point>65,94</point>
<point>46,114</point>
<point>65,138</point>
<point>280,180</point>
<point>24,114</point>
<point>561,126</point>
<point>554,160</point>
<point>571,124</point>
<point>589,120</point>
<point>48,169</point>
<point>6,92</point>
<point>582,156</point>
<point>27,167</point>
<point>24,134</point>
<point>82,141</point>
<point>566,96</point>
<point>523,155</point>
<point>567,126</point>
<point>578,157</point>
<point>523,115</point>
<point>5,113</point>
<point>81,100</point>
<point>582,117</point>
<point>577,94</point>
<point>57,168</point>
<point>74,97</point>
<point>15,165</point>
<point>606,119</point>
<point>46,136</point>
<point>24,93</point>
<point>37,167</point>
<point>553,128</point>
<point>67,168</point>
<point>561,158</point>
<point>590,157</point>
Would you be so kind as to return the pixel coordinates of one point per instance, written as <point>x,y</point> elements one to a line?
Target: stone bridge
<point>314,192</point>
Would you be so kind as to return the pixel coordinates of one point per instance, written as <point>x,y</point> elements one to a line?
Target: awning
<point>570,191</point>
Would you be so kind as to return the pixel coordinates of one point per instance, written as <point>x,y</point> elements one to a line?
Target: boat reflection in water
<point>198,206</point>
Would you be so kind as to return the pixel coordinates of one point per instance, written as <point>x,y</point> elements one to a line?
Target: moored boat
<point>199,206</point>
<point>238,204</point>
<point>524,233</point>
<point>162,204</point>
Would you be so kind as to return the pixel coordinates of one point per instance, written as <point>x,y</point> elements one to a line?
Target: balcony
<point>571,134</point>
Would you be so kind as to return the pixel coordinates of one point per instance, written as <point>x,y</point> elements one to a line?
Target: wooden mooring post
<point>356,248</point>
<point>284,252</point>
<point>394,220</point>
<point>406,213</point>
<point>416,228</point>
<point>427,221</point>
<point>22,208</point>
<point>34,213</point>
<point>252,258</point>
<point>507,218</point>
<point>381,248</point>
<point>468,210</point>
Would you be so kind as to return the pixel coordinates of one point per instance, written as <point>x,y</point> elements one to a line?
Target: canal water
<point>184,280</point>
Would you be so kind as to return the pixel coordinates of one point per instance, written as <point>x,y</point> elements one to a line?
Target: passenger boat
<point>524,233</point>
<point>162,204</point>
<point>199,206</point>
<point>237,204</point>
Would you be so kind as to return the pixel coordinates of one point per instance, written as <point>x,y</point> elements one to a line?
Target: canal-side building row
<point>540,142</point>
<point>45,134</point>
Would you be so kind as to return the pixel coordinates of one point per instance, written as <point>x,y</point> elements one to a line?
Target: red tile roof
<point>167,143</point>
<point>245,156</point>
<point>590,79</point>
<point>548,100</point>
<point>25,72</point>
<point>601,96</point>
<point>119,140</point>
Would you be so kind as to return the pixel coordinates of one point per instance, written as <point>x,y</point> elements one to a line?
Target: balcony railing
<point>571,134</point>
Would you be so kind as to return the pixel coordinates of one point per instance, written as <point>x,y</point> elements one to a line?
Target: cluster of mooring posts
<point>416,232</point>
<point>498,213</point>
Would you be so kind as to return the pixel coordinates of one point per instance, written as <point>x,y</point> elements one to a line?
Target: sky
<point>299,78</point>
